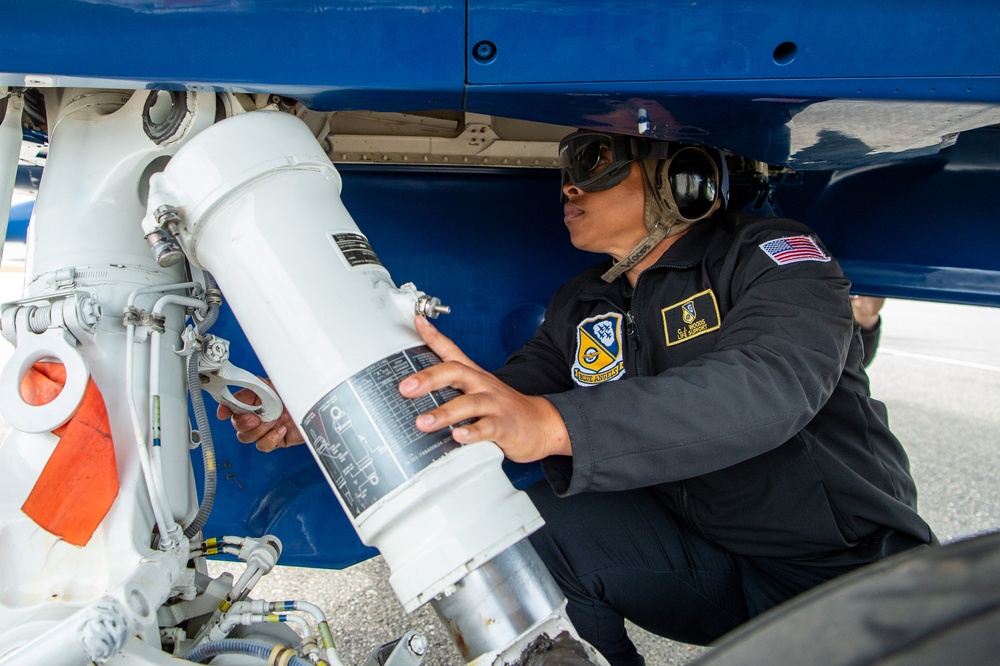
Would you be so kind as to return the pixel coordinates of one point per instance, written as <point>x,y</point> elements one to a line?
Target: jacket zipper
<point>685,504</point>
<point>635,342</point>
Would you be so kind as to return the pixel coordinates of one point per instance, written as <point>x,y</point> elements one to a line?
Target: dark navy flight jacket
<point>730,381</point>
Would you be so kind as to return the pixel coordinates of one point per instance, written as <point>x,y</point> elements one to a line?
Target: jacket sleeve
<point>870,340</point>
<point>778,356</point>
<point>539,367</point>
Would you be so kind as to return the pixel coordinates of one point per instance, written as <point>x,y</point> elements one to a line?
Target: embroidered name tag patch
<point>793,249</point>
<point>599,350</point>
<point>691,317</point>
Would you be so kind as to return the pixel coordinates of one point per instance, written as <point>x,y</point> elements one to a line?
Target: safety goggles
<point>596,161</point>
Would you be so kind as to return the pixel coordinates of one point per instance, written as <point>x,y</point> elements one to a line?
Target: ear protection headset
<point>684,183</point>
<point>689,179</point>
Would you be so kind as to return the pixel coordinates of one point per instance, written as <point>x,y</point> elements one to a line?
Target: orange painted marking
<point>80,480</point>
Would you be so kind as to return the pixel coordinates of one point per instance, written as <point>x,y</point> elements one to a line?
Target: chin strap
<point>651,240</point>
<point>658,219</point>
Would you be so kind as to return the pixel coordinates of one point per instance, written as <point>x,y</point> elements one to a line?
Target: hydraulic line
<point>164,521</point>
<point>308,644</point>
<point>214,300</point>
<point>261,555</point>
<point>154,388</point>
<point>241,646</point>
<point>322,626</point>
<point>288,619</point>
<point>228,545</point>
<point>207,448</point>
<point>254,612</point>
<point>159,289</point>
<point>200,415</point>
<point>154,339</point>
<point>235,618</point>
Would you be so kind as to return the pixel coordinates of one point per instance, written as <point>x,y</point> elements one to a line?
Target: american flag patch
<point>791,249</point>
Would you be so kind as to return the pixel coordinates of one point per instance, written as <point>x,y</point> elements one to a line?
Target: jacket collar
<point>687,252</point>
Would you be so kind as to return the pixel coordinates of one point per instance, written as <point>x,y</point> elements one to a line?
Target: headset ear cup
<point>709,189</point>
<point>692,177</point>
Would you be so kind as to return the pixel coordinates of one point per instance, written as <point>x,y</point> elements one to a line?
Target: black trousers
<point>624,555</point>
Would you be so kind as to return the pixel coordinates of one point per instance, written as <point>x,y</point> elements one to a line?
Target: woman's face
<point>609,221</point>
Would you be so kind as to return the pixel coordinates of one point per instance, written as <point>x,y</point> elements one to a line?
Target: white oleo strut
<point>259,207</point>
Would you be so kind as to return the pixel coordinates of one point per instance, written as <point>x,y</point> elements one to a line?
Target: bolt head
<point>418,644</point>
<point>484,51</point>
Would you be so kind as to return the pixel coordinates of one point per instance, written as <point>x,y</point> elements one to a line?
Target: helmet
<point>684,183</point>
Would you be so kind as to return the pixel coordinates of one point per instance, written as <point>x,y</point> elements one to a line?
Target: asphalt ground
<point>938,371</point>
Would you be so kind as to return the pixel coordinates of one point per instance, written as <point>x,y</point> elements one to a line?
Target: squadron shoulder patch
<point>691,317</point>
<point>793,249</point>
<point>599,350</point>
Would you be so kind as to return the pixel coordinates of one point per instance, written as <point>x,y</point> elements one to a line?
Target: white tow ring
<point>54,344</point>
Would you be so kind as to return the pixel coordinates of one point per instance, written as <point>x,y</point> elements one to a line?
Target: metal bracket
<point>409,650</point>
<point>468,140</point>
<point>218,374</point>
<point>63,279</point>
<point>75,311</point>
<point>50,342</point>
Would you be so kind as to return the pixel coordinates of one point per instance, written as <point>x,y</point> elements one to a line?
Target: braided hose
<point>240,646</point>
<point>201,417</point>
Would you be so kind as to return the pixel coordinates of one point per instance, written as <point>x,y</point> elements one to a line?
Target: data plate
<point>355,249</point>
<point>363,431</point>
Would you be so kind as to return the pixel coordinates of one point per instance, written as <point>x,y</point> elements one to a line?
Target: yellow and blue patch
<point>691,317</point>
<point>599,350</point>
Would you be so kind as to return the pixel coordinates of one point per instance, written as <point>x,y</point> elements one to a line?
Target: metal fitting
<point>215,350</point>
<point>430,307</point>
<point>62,279</point>
<point>263,552</point>
<point>190,342</point>
<point>104,630</point>
<point>167,216</point>
<point>88,311</point>
<point>156,322</point>
<point>131,317</point>
<point>165,248</point>
<point>213,297</point>
<point>417,644</point>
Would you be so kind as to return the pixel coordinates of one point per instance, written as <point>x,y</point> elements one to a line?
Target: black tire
<point>937,605</point>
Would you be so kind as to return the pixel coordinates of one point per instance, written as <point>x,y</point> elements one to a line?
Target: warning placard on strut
<point>363,431</point>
